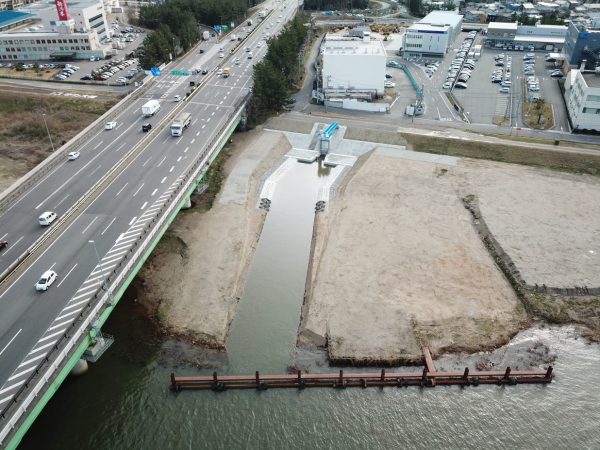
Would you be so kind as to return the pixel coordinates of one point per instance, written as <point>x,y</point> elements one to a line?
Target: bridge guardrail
<point>47,369</point>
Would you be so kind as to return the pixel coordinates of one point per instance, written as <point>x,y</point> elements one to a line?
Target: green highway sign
<point>179,73</point>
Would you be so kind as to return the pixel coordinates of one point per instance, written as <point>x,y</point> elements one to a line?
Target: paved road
<point>31,322</point>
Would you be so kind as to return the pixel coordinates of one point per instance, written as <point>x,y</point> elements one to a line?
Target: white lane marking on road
<point>94,171</point>
<point>56,333</point>
<point>171,169</point>
<point>5,399</point>
<point>52,266</point>
<point>10,342</point>
<point>108,226</point>
<point>213,113</point>
<point>12,246</point>
<point>179,159</point>
<point>194,122</point>
<point>166,139</point>
<point>20,374</point>
<point>144,205</point>
<point>11,387</point>
<point>75,305</point>
<point>58,325</point>
<point>42,347</point>
<point>208,120</point>
<point>59,203</point>
<point>30,360</point>
<point>131,222</point>
<point>121,190</point>
<point>163,180</point>
<point>65,277</point>
<point>192,141</point>
<point>153,192</point>
<point>198,133</point>
<point>5,234</point>
<point>138,189</point>
<point>203,125</point>
<point>161,161</point>
<point>146,162</point>
<point>86,228</point>
<point>220,103</point>
<point>120,146</point>
<point>68,180</point>
<point>99,144</point>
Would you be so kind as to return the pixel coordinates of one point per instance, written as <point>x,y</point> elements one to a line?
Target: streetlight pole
<point>48,131</point>
<point>104,285</point>
<point>91,241</point>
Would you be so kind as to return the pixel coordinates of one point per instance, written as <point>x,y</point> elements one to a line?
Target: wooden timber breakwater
<point>429,377</point>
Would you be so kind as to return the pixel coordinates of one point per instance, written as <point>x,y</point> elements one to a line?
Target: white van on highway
<point>47,218</point>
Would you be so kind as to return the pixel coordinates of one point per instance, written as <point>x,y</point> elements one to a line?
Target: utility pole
<point>48,131</point>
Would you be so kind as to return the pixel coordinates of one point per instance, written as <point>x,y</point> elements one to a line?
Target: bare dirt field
<point>212,248</point>
<point>547,221</point>
<point>402,266</point>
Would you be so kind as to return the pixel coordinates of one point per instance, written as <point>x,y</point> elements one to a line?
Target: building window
<point>593,98</point>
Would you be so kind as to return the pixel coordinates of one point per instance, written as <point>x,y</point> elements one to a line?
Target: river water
<point>124,401</point>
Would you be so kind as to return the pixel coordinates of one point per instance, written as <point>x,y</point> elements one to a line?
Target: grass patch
<point>538,115</point>
<point>570,162</point>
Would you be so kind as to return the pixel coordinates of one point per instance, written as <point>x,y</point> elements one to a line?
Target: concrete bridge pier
<point>187,203</point>
<point>79,368</point>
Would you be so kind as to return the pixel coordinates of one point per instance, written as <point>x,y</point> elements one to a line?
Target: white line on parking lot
<point>68,273</point>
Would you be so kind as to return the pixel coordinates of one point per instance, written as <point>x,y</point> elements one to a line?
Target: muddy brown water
<point>124,401</point>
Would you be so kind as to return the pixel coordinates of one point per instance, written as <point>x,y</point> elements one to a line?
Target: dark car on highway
<point>146,127</point>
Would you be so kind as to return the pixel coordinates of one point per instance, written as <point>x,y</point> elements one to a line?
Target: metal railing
<point>46,371</point>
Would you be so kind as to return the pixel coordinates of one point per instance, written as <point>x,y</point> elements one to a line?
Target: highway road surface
<point>31,322</point>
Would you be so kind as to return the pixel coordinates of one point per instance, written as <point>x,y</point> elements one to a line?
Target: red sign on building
<point>61,8</point>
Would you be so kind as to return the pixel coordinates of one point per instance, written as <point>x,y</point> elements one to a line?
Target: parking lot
<point>484,102</point>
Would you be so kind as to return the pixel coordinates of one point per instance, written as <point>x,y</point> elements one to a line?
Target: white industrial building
<point>582,95</point>
<point>78,36</point>
<point>433,35</point>
<point>353,67</point>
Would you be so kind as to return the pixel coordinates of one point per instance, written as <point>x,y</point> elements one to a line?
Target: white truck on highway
<point>150,107</point>
<point>181,121</point>
<point>206,35</point>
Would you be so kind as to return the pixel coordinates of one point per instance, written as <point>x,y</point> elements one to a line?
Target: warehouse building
<point>539,37</point>
<point>353,68</point>
<point>433,35</point>
<point>58,31</point>
<point>582,95</point>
